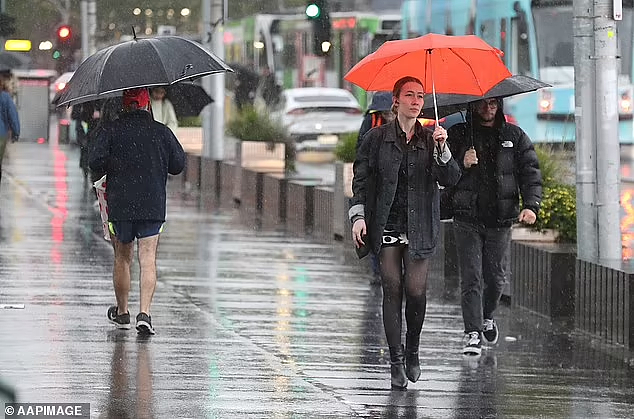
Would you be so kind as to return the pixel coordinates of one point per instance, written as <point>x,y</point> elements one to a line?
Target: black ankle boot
<point>397,368</point>
<point>412,363</point>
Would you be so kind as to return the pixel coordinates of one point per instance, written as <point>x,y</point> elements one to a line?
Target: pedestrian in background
<point>9,120</point>
<point>379,112</point>
<point>395,212</point>
<point>86,116</point>
<point>136,153</point>
<point>268,89</point>
<point>162,108</point>
<point>499,165</point>
<point>110,110</point>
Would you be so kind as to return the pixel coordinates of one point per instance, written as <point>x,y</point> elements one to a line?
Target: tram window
<point>521,61</point>
<point>553,28</point>
<point>487,32</point>
<point>289,55</point>
<point>248,51</point>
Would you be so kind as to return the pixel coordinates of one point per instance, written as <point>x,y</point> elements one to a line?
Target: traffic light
<point>64,35</point>
<point>318,12</point>
<point>64,48</point>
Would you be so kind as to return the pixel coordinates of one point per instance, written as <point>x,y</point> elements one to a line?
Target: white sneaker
<point>490,332</point>
<point>472,344</point>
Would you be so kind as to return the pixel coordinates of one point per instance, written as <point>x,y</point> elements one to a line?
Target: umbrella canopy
<point>443,63</point>
<point>188,99</point>
<point>147,62</point>
<point>451,103</point>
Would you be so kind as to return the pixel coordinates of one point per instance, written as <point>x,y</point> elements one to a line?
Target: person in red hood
<point>137,153</point>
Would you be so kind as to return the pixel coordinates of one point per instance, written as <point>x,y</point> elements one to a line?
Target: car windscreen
<point>321,99</point>
<point>321,109</point>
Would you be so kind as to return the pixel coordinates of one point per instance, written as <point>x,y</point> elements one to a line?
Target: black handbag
<point>364,250</point>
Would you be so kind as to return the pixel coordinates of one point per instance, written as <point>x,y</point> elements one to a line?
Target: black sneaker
<point>490,332</point>
<point>122,321</point>
<point>144,324</point>
<point>472,344</point>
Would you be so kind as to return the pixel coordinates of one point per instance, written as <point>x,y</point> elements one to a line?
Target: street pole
<point>217,17</point>
<point>206,81</point>
<point>88,10</point>
<point>3,9</point>
<point>607,134</point>
<point>585,122</point>
<point>213,115</point>
<point>85,49</point>
<point>92,26</point>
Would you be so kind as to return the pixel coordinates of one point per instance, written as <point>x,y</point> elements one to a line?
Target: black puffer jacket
<point>516,172</point>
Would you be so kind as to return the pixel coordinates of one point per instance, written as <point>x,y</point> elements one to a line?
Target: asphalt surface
<point>253,324</point>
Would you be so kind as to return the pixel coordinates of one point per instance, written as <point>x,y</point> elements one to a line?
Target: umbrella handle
<point>433,87</point>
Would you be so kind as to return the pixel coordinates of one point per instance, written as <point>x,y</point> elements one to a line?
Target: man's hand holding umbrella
<point>470,158</point>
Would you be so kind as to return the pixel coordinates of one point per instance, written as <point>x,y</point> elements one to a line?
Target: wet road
<point>252,324</point>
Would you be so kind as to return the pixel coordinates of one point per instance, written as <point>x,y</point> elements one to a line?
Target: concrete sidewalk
<point>252,324</point>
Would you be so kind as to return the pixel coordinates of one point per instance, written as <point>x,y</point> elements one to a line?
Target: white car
<point>316,116</point>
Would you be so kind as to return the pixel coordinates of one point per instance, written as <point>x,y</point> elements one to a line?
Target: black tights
<point>392,260</point>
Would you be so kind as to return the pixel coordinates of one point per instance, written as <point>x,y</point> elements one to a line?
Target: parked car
<point>315,117</point>
<point>59,84</point>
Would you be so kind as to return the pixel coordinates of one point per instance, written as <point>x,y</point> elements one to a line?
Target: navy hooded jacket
<point>136,153</point>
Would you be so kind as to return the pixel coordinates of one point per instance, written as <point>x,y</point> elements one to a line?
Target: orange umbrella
<point>445,64</point>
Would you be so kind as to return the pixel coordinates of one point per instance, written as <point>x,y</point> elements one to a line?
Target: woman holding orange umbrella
<point>395,212</point>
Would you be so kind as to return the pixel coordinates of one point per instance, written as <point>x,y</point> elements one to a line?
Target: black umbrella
<point>449,103</point>
<point>163,60</point>
<point>188,99</point>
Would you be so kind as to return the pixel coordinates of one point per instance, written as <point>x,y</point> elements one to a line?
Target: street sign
<point>618,9</point>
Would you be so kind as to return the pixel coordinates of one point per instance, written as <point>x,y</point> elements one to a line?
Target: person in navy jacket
<point>137,153</point>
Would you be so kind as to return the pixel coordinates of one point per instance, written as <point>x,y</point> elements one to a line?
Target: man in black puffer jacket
<point>499,165</point>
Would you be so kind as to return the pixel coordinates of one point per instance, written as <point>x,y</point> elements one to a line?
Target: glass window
<point>488,32</point>
<point>553,29</point>
<point>520,61</point>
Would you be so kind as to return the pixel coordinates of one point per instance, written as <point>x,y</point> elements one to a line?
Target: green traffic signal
<point>313,11</point>
<point>57,55</point>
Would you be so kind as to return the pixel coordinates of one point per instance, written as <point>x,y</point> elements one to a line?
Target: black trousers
<point>484,259</point>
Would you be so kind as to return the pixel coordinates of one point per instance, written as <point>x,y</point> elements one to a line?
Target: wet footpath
<point>252,323</point>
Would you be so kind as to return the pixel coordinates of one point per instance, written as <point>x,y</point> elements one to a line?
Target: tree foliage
<point>38,20</point>
<point>7,25</point>
<point>115,18</point>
